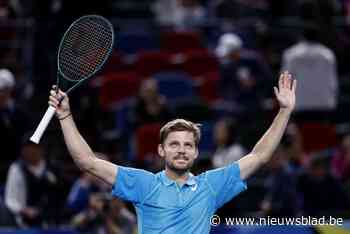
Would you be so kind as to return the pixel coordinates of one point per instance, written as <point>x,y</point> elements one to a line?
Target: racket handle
<point>43,124</point>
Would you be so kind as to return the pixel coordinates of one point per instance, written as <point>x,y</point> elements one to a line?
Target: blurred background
<point>214,62</point>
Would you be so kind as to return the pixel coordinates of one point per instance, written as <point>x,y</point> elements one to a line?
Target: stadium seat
<point>317,136</point>
<point>116,87</point>
<point>134,42</point>
<point>148,63</point>
<point>209,87</point>
<point>123,115</point>
<point>115,63</point>
<point>175,86</point>
<point>146,139</point>
<point>198,62</point>
<point>176,42</point>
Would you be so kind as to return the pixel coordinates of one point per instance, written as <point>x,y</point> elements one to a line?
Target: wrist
<point>64,116</point>
<point>287,111</point>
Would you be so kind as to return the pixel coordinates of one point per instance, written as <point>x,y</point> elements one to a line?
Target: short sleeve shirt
<point>164,206</point>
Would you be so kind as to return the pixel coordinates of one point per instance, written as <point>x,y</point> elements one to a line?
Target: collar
<point>38,170</point>
<point>167,181</point>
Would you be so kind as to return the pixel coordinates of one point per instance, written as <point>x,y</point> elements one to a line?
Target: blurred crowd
<point>212,61</point>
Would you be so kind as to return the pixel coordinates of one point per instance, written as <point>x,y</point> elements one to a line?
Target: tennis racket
<point>83,50</point>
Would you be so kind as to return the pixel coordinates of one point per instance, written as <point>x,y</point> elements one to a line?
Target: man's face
<point>179,151</point>
<point>32,153</point>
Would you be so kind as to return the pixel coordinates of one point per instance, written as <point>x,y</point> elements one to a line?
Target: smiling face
<point>179,151</point>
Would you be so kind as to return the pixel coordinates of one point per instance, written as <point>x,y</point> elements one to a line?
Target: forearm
<point>80,151</point>
<point>14,205</point>
<point>270,140</point>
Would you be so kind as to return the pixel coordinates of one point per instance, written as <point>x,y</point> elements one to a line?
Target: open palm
<point>285,93</point>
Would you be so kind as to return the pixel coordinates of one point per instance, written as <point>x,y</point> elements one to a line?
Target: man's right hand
<point>30,212</point>
<point>62,108</point>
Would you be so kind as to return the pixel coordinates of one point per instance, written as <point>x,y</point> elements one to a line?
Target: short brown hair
<point>180,125</point>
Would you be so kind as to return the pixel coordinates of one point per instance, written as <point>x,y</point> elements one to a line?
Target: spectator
<point>31,188</point>
<point>190,15</point>
<point>228,148</point>
<point>119,220</point>
<point>165,11</point>
<point>150,106</point>
<point>81,190</point>
<point>243,74</point>
<point>14,122</point>
<point>181,14</point>
<point>91,219</point>
<point>315,68</point>
<point>341,160</point>
<point>105,216</point>
<point>322,193</point>
<point>293,146</point>
<point>281,197</point>
<point>6,11</point>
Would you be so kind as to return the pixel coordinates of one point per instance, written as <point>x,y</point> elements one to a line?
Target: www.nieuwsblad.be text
<point>273,221</point>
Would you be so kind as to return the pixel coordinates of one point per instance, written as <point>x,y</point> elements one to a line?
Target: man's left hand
<point>285,93</point>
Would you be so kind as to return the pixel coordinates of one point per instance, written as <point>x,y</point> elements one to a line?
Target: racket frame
<point>51,110</point>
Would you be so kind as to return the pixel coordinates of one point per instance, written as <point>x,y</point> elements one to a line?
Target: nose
<point>181,149</point>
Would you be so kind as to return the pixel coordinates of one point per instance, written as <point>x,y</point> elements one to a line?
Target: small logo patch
<point>194,187</point>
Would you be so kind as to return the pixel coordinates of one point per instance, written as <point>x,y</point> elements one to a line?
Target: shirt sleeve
<point>132,184</point>
<point>15,190</point>
<point>226,183</point>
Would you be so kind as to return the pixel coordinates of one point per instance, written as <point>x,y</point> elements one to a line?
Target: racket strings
<point>91,51</point>
<point>85,48</point>
<point>88,63</point>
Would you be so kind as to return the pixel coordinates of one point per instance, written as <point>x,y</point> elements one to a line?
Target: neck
<point>178,177</point>
<point>35,163</point>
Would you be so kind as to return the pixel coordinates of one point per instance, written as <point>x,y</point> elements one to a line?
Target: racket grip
<point>43,125</point>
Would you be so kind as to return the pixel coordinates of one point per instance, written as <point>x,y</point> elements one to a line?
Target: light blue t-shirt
<point>163,206</point>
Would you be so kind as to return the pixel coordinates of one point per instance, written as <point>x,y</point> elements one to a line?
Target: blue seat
<point>206,144</point>
<point>175,86</point>
<point>123,113</point>
<point>124,126</point>
<point>133,42</point>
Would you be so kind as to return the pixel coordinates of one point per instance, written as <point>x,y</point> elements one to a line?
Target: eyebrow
<point>177,141</point>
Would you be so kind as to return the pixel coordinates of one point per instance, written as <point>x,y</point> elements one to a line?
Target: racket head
<point>84,48</point>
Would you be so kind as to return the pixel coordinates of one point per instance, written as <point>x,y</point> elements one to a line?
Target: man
<point>174,200</point>
<point>244,76</point>
<point>31,187</point>
<point>315,67</point>
<point>14,122</point>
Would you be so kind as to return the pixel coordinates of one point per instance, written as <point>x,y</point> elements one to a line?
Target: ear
<point>161,150</point>
<point>197,153</point>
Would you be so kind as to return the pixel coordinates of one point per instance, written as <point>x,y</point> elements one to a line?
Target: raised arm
<point>262,151</point>
<point>80,151</point>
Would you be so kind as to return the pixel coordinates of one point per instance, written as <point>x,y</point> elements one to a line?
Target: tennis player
<point>173,200</point>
